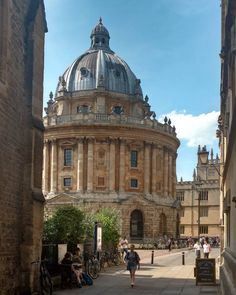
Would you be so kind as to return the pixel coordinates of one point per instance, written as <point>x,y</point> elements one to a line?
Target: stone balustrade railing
<point>98,118</point>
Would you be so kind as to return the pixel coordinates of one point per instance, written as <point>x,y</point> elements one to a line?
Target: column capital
<point>53,140</point>
<point>80,139</point>
<point>122,140</point>
<point>46,141</point>
<point>90,139</point>
<point>111,139</point>
<point>147,143</point>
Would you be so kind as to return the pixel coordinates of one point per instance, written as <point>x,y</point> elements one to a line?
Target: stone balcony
<point>111,119</point>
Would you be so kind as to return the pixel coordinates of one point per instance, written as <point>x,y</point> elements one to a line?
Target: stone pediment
<point>62,198</point>
<point>136,199</point>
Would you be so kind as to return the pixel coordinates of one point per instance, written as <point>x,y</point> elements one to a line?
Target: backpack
<point>87,279</point>
<point>137,258</point>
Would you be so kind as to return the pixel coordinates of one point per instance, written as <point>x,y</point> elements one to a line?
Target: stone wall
<point>21,78</point>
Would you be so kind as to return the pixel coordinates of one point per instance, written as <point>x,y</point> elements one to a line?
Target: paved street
<point>167,276</point>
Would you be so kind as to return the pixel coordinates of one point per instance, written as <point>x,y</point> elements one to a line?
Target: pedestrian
<point>197,248</point>
<point>132,260</point>
<point>169,244</point>
<point>206,248</point>
<point>124,246</point>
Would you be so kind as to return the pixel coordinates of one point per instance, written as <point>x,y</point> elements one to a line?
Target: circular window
<point>84,72</point>
<point>118,110</point>
<point>117,73</point>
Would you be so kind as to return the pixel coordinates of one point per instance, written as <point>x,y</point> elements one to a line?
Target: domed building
<point>105,148</point>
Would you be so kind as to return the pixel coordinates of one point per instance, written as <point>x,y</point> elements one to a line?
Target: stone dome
<point>100,67</point>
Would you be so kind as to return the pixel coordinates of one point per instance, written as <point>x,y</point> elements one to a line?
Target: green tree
<point>109,220</point>
<point>65,226</point>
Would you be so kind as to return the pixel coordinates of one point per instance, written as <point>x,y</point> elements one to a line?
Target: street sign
<point>205,271</point>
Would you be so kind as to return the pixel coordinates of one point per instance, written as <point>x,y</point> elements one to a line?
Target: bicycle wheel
<point>93,270</point>
<point>45,282</point>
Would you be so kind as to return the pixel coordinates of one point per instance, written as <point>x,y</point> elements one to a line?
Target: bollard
<point>183,258</point>
<point>152,257</point>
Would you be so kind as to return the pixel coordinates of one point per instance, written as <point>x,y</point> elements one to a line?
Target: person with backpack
<point>132,260</point>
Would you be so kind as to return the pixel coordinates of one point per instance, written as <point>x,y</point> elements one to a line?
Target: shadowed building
<point>22,29</point>
<point>104,147</point>
<point>227,140</point>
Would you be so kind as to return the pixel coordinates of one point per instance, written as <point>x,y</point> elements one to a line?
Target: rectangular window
<point>67,157</point>
<point>203,211</point>
<point>203,229</point>
<point>67,181</point>
<point>180,196</point>
<point>203,195</point>
<point>181,213</point>
<point>101,181</point>
<point>181,229</point>
<point>133,182</point>
<point>134,159</point>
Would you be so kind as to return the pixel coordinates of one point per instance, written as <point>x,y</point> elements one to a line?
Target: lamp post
<point>198,225</point>
<point>197,183</point>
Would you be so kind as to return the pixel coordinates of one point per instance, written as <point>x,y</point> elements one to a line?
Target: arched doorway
<point>163,224</point>
<point>136,225</point>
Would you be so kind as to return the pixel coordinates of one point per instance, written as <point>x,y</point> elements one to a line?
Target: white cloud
<point>200,129</point>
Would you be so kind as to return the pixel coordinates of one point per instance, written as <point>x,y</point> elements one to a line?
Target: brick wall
<point>20,126</point>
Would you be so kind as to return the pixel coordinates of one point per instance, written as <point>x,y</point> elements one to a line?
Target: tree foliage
<point>66,226</point>
<point>109,220</point>
<point>71,226</point>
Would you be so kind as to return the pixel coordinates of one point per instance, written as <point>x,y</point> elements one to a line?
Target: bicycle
<point>45,281</point>
<point>93,267</point>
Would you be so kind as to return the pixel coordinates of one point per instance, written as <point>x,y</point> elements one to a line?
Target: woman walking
<point>132,260</point>
<point>206,248</point>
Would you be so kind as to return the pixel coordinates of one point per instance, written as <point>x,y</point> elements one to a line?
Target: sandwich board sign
<point>205,271</point>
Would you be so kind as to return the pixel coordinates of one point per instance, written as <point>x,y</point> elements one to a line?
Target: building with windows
<point>22,30</point>
<point>200,199</point>
<point>103,146</point>
<point>227,140</point>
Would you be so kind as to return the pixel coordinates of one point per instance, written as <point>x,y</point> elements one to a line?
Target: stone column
<point>80,165</point>
<point>122,166</point>
<point>54,172</point>
<point>90,165</point>
<point>165,171</point>
<point>112,166</point>
<point>146,168</point>
<point>174,175</point>
<point>154,169</point>
<point>170,175</point>
<point>45,166</point>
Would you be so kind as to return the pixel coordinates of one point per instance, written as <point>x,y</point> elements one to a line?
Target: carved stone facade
<point>200,200</point>
<point>105,148</point>
<point>227,136</point>
<point>22,29</point>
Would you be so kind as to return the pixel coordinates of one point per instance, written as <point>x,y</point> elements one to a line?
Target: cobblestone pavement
<point>166,276</point>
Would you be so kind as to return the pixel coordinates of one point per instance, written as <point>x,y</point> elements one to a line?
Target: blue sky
<point>171,45</point>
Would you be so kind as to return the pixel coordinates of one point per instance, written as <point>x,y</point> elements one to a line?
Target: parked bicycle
<point>93,267</point>
<point>45,282</point>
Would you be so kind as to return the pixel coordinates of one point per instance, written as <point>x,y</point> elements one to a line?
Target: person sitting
<point>77,266</point>
<point>66,270</point>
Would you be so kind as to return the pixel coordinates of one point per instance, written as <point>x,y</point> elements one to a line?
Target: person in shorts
<point>124,246</point>
<point>132,260</point>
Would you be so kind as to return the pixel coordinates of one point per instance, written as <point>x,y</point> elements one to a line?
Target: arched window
<point>136,225</point>
<point>163,224</point>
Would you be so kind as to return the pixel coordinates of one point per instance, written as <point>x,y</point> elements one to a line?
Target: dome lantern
<point>100,37</point>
